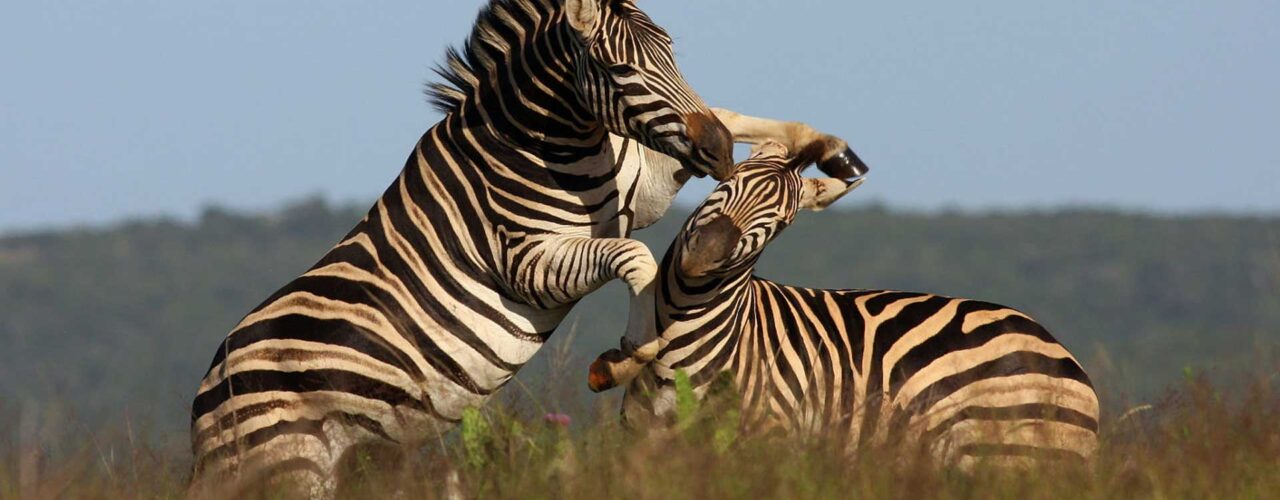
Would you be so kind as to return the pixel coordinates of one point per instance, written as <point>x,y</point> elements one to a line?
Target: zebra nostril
<point>713,143</point>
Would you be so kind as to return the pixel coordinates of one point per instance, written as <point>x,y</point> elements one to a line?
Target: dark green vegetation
<point>106,332</point>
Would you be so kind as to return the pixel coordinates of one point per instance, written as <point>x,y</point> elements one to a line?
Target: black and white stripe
<point>967,380</point>
<point>507,212</point>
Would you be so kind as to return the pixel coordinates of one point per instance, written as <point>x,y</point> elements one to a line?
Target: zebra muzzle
<point>712,144</point>
<point>708,246</point>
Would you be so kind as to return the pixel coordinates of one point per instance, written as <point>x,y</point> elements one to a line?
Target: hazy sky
<point>133,108</point>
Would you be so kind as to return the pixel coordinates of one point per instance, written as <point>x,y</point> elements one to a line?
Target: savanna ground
<point>104,333</point>
<point>1198,440</point>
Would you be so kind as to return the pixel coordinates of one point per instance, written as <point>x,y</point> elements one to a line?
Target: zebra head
<point>728,232</point>
<point>722,240</point>
<point>627,76</point>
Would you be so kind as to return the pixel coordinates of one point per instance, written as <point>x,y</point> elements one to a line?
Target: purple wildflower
<point>559,419</point>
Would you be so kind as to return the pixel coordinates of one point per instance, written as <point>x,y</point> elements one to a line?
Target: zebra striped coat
<point>967,380</point>
<point>507,212</point>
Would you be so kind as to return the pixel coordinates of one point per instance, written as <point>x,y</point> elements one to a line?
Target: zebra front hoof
<point>844,165</point>
<point>600,376</point>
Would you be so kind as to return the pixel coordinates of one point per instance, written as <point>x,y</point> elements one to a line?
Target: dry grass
<point>1198,441</point>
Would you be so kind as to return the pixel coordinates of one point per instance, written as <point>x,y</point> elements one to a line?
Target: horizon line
<point>332,204</point>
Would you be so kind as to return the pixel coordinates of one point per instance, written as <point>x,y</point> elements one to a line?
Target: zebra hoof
<point>600,377</point>
<point>844,165</point>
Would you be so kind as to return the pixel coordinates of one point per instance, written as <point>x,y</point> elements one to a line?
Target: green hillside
<point>120,322</point>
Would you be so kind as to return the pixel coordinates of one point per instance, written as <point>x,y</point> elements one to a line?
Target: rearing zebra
<point>558,113</point>
<point>966,380</point>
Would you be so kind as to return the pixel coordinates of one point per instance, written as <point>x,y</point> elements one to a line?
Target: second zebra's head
<point>729,231</point>
<point>627,76</point>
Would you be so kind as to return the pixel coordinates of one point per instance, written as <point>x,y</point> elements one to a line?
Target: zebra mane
<point>463,69</point>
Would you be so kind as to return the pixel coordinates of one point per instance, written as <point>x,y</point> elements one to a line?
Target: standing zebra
<point>967,380</point>
<point>508,211</point>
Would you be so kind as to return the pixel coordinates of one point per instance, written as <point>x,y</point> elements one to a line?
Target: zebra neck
<point>694,313</point>
<point>441,215</point>
<point>681,293</point>
<point>528,97</point>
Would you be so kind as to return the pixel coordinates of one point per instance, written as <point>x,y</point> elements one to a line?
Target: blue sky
<point>135,108</point>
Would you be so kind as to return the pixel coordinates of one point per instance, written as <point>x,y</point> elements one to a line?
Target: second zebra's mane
<point>463,69</point>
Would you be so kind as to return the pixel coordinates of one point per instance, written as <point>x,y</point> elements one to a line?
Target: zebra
<point>519,202</point>
<point>967,381</point>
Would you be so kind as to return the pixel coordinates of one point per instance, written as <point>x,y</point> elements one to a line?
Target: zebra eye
<point>622,70</point>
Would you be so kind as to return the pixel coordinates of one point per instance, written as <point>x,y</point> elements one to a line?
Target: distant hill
<point>122,321</point>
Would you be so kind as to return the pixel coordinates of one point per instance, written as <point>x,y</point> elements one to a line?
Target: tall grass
<point>1197,441</point>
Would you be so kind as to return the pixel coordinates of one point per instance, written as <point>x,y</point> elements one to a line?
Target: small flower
<point>558,419</point>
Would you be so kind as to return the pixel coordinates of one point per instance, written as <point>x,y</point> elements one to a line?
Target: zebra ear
<point>583,16</point>
<point>817,193</point>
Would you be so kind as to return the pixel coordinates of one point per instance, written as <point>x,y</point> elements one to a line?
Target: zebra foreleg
<point>837,160</point>
<point>561,270</point>
<point>617,367</point>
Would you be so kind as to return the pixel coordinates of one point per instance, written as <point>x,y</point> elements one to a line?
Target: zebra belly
<point>968,381</point>
<point>1014,419</point>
